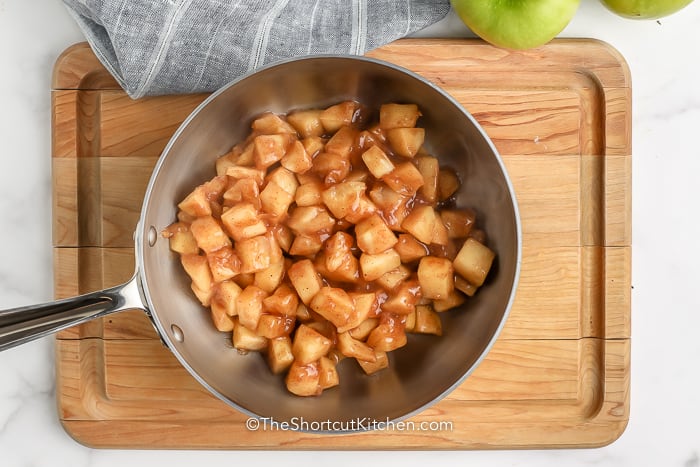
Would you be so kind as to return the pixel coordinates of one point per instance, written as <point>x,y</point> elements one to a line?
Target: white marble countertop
<point>665,402</point>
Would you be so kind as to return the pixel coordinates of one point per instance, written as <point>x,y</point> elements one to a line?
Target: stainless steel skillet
<point>422,372</point>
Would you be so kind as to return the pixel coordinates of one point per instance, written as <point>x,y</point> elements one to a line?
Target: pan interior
<point>428,366</point>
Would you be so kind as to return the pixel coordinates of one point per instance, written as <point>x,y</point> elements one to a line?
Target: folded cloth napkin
<point>181,46</point>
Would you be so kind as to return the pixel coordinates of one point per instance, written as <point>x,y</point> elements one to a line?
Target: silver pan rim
<point>141,233</point>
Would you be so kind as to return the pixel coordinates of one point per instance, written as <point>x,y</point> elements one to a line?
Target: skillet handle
<point>24,324</point>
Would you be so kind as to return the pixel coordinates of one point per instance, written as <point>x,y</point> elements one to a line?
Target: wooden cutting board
<point>559,374</point>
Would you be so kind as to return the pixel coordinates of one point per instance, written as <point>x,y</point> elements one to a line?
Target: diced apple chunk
<point>285,179</point>
<point>393,278</point>
<point>346,198</point>
<point>275,200</point>
<point>398,116</point>
<point>305,246</point>
<point>226,161</point>
<point>242,221</point>
<point>440,234</point>
<point>374,266</point>
<point>246,158</point>
<point>197,268</point>
<point>410,249</point>
<point>279,354</point>
<point>254,253</point>
<point>309,345</point>
<point>313,145</point>
<point>421,223</point>
<point>410,323</point>
<point>342,198</point>
<point>271,124</point>
<point>249,306</point>
<point>245,339</point>
<point>362,331</point>
<point>338,115</point>
<point>394,206</point>
<point>337,248</point>
<point>303,313</point>
<point>374,236</point>
<point>436,277</point>
<point>328,375</point>
<point>306,281</point>
<point>224,264</point>
<point>306,122</point>
<point>349,270</point>
<point>429,168</point>
<point>224,298</point>
<point>245,190</point>
<point>182,241</point>
<point>283,236</point>
<point>271,277</point>
<point>214,187</point>
<point>360,210</point>
<point>405,179</point>
<point>473,262</point>
<point>310,220</point>
<point>458,223</point>
<point>303,380</point>
<point>363,304</point>
<point>272,326</point>
<point>204,296</point>
<point>448,184</point>
<point>403,300</point>
<point>331,167</point>
<point>354,348</point>
<point>334,304</point>
<point>196,204</point>
<point>377,162</point>
<point>342,142</point>
<point>222,321</point>
<point>453,300</point>
<point>464,286</point>
<point>388,335</point>
<point>269,149</point>
<point>309,194</point>
<point>244,280</point>
<point>427,321</point>
<point>296,158</point>
<point>406,141</point>
<point>366,306</point>
<point>283,301</point>
<point>240,173</point>
<point>381,361</point>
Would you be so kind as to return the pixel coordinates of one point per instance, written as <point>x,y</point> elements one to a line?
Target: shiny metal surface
<point>420,373</point>
<point>23,324</point>
<point>424,370</point>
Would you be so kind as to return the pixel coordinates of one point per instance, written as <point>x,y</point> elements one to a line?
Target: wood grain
<point>558,376</point>
<point>143,388</point>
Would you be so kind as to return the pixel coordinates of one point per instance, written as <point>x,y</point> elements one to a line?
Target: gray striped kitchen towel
<point>181,46</point>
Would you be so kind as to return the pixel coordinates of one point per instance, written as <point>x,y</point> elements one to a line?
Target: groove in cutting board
<point>558,376</point>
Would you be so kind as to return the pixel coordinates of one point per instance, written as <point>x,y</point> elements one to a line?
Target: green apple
<point>516,24</point>
<point>645,9</point>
